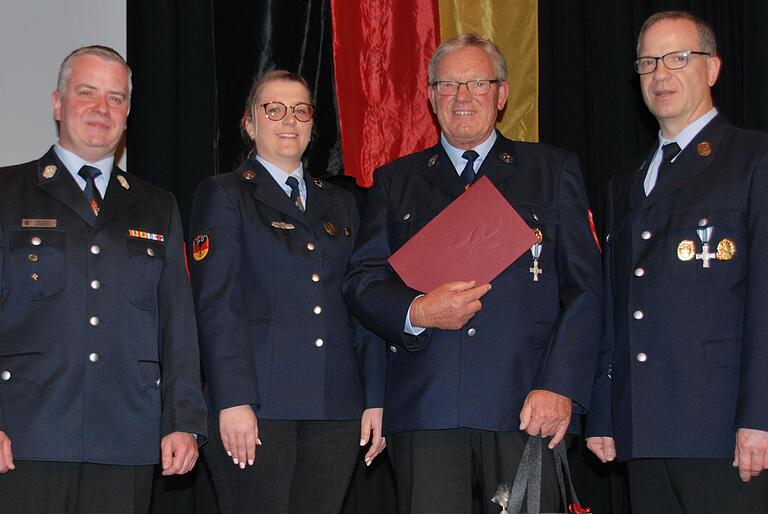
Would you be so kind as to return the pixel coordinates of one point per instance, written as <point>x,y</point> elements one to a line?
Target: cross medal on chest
<point>536,253</point>
<point>705,256</point>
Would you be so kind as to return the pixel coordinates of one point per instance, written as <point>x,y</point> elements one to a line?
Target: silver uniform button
<point>646,234</point>
<point>94,321</point>
<point>5,375</point>
<point>407,217</point>
<point>317,309</point>
<point>310,246</point>
<point>471,332</point>
<point>95,249</point>
<point>638,314</point>
<point>315,277</point>
<point>393,348</point>
<point>641,357</point>
<point>36,241</point>
<point>94,357</point>
<point>319,342</point>
<point>150,252</point>
<point>639,272</point>
<point>95,284</point>
<point>703,222</point>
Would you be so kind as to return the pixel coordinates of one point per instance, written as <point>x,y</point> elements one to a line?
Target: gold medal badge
<point>50,171</point>
<point>686,250</point>
<point>249,175</point>
<point>726,249</point>
<point>539,235</point>
<point>330,228</point>
<point>704,149</point>
<point>123,182</point>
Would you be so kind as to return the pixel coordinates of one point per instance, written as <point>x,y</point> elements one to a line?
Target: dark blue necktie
<point>92,195</point>
<point>293,183</point>
<point>468,173</point>
<point>668,152</point>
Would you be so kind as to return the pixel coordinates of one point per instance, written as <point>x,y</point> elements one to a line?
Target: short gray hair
<point>464,41</point>
<point>706,33</point>
<point>104,52</point>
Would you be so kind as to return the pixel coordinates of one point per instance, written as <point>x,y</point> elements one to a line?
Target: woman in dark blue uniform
<point>282,356</point>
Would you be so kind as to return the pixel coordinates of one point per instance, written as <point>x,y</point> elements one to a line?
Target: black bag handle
<point>528,479</point>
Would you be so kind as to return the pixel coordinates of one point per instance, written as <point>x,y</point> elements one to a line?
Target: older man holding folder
<point>474,366</point>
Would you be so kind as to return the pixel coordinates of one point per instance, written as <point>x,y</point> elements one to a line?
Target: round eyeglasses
<point>475,87</point>
<point>673,61</point>
<point>276,111</point>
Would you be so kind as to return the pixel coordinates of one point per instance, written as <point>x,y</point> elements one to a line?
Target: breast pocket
<point>724,259</point>
<point>38,263</point>
<point>142,272</point>
<point>405,221</point>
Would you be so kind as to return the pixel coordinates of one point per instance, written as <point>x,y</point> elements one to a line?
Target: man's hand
<point>751,452</point>
<point>546,413</point>
<point>370,428</point>
<point>603,447</point>
<point>448,306</point>
<point>179,453</point>
<point>6,455</point>
<point>239,434</point>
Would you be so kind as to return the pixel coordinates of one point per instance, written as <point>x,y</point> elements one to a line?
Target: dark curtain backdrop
<point>194,60</point>
<point>255,37</point>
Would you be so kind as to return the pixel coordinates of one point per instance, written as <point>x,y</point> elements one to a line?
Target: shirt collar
<point>74,162</point>
<point>688,133</point>
<point>280,175</point>
<point>455,154</point>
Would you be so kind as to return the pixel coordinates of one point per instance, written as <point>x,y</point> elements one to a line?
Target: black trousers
<point>700,486</point>
<point>438,470</point>
<point>301,467</point>
<point>75,488</point>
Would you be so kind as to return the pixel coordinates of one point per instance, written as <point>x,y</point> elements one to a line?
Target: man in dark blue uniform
<point>466,380</point>
<point>682,389</point>
<point>99,373</point>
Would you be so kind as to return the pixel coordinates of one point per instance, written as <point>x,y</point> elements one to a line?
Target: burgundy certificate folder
<point>475,238</point>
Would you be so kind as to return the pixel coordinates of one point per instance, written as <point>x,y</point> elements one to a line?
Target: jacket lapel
<point>693,161</point>
<point>501,162</point>
<point>440,173</point>
<point>121,196</point>
<point>265,190</point>
<point>54,178</point>
<point>318,200</point>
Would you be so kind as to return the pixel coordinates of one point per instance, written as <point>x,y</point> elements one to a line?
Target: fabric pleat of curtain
<point>381,51</point>
<point>513,26</point>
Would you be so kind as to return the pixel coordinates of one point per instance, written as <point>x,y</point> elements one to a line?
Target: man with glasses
<point>682,390</point>
<point>473,367</point>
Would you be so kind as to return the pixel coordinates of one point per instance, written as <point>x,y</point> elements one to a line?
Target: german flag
<point>381,52</point>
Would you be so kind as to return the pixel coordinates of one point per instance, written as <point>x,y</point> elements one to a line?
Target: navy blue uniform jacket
<point>686,347</point>
<point>98,350</point>
<point>274,330</point>
<point>528,335</point>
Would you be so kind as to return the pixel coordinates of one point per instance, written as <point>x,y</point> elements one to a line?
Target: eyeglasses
<point>276,111</point>
<point>673,61</point>
<point>451,87</point>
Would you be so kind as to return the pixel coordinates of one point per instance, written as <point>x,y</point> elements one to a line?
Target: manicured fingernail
<point>234,459</point>
<point>250,462</point>
<point>258,441</point>
<point>242,465</point>
<point>229,453</point>
<point>368,462</point>
<point>362,442</point>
